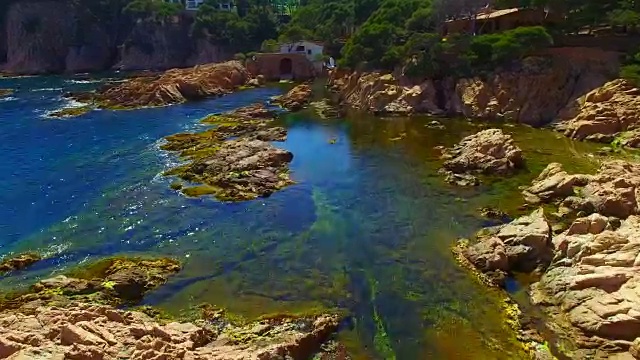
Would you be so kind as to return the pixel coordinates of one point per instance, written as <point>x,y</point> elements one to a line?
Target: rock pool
<point>366,228</point>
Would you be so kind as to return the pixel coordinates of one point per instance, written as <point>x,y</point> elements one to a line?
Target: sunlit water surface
<point>367,228</point>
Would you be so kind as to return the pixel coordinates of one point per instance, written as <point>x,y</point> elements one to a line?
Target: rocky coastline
<point>171,87</point>
<point>582,246</point>
<point>78,316</point>
<point>573,90</point>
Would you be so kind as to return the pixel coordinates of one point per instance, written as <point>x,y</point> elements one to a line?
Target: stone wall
<point>281,66</point>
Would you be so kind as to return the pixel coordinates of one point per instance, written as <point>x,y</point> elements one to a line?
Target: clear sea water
<point>367,227</point>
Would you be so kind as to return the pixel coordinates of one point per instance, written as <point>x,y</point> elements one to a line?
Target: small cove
<point>367,227</point>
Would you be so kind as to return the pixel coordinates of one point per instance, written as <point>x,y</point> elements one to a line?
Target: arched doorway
<point>286,68</point>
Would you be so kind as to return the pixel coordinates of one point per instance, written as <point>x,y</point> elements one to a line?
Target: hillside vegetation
<point>384,34</point>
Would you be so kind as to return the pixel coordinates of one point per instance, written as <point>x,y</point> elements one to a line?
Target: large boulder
<point>520,246</point>
<point>605,113</point>
<point>610,192</point>
<point>18,262</point>
<point>235,160</point>
<point>489,152</point>
<point>592,288</point>
<point>296,98</point>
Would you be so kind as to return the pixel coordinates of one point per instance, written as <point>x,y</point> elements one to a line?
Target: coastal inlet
<point>365,226</point>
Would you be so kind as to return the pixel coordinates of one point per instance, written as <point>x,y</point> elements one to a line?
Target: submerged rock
<point>327,111</point>
<point>18,262</point>
<point>244,168</point>
<point>5,92</point>
<point>296,98</point>
<point>71,112</point>
<point>487,152</point>
<point>172,87</point>
<point>112,281</point>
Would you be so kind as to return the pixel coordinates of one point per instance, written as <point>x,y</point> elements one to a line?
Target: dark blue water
<point>366,228</point>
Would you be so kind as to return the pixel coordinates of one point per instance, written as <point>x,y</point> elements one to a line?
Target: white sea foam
<point>46,89</point>
<point>84,81</point>
<point>8,98</point>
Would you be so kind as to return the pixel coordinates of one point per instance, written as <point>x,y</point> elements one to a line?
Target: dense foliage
<point>156,8</point>
<point>242,30</point>
<point>631,69</point>
<point>385,34</point>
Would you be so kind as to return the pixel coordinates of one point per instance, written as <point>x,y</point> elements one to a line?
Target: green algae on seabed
<point>381,339</point>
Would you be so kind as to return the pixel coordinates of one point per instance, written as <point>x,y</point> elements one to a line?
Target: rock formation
<point>237,169</point>
<point>380,93</point>
<point>486,152</point>
<point>610,192</point>
<point>534,92</point>
<point>114,281</point>
<point>76,317</point>
<point>18,262</point>
<point>295,99</point>
<point>590,287</point>
<point>5,92</point>
<point>87,331</point>
<point>520,246</point>
<point>171,87</point>
<point>604,114</point>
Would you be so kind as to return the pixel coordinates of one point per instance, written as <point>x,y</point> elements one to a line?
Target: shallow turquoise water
<point>367,227</point>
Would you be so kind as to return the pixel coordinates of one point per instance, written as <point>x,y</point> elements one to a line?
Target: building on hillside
<point>313,51</point>
<point>276,66</point>
<point>490,21</point>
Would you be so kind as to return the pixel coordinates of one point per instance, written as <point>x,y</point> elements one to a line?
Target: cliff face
<point>55,36</point>
<point>38,35</point>
<point>534,93</point>
<point>537,91</point>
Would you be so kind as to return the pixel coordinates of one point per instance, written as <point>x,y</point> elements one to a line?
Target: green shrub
<point>631,72</point>
<point>239,57</point>
<point>270,45</point>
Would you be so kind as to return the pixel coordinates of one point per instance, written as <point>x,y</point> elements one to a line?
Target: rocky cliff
<point>533,92</point>
<point>55,36</point>
<point>607,114</point>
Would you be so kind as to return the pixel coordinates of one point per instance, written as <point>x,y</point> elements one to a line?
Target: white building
<point>312,50</point>
<point>193,5</point>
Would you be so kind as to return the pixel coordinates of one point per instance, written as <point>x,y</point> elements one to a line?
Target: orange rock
<point>172,87</point>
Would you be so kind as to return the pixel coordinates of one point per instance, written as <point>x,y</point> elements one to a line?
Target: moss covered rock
<point>235,160</point>
<point>71,112</point>
<point>113,281</point>
<point>18,262</point>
